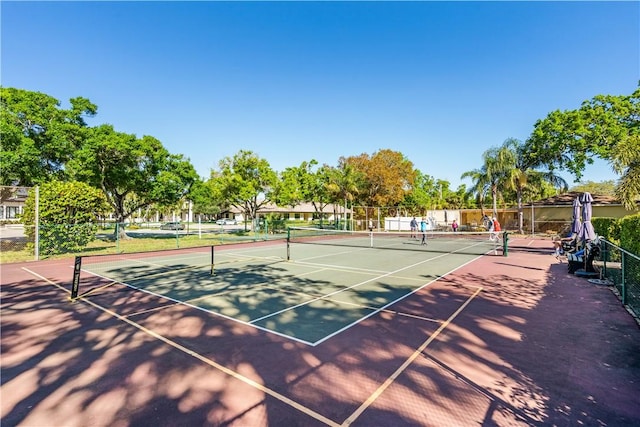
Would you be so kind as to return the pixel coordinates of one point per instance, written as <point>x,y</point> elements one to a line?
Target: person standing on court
<point>489,226</point>
<point>496,228</point>
<point>414,228</point>
<point>423,230</point>
<point>454,225</point>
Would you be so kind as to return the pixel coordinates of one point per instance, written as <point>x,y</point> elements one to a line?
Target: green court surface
<point>319,292</point>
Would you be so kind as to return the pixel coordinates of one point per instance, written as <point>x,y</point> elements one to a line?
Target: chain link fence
<point>25,243</point>
<point>621,269</point>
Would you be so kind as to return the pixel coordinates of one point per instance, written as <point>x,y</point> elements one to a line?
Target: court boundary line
<point>214,313</point>
<point>352,324</point>
<point>391,379</point>
<point>355,270</point>
<point>282,398</point>
<point>311,299</point>
<point>394,312</point>
<point>357,248</point>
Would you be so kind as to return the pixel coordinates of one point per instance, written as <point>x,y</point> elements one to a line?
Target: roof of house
<point>568,198</point>
<point>301,208</point>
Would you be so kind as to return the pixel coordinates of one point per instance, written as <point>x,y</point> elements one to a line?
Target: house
<point>549,215</point>
<point>12,202</point>
<point>301,212</point>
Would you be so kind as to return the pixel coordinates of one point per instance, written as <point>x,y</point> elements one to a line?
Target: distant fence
<point>26,242</point>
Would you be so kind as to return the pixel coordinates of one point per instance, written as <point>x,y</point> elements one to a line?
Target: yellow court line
<point>99,288</point>
<point>47,280</point>
<point>209,362</point>
<point>151,310</point>
<point>406,364</point>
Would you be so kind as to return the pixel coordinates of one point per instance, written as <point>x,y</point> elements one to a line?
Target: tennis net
<point>471,242</point>
<point>92,273</point>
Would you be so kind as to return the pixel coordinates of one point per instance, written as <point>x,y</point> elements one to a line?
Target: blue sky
<point>440,82</point>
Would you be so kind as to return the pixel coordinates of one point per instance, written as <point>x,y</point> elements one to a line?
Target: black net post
<point>212,258</point>
<point>75,286</point>
<point>505,244</point>
<point>288,244</point>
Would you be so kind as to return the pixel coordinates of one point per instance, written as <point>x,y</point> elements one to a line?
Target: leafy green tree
<point>133,173</point>
<point>67,212</point>
<point>606,126</point>
<point>304,183</point>
<point>298,184</point>
<point>38,137</point>
<point>207,199</point>
<point>421,195</point>
<point>457,199</point>
<point>387,176</point>
<point>246,182</point>
<point>605,188</point>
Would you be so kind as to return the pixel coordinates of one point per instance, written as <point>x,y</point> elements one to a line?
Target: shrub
<point>67,216</point>
<point>629,232</point>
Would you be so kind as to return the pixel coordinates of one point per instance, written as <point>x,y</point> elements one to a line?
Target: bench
<point>578,261</point>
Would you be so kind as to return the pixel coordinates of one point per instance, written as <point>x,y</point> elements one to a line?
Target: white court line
<point>323,267</point>
<point>215,313</point>
<point>355,286</point>
<point>358,270</point>
<point>384,307</point>
<point>222,368</point>
<point>194,306</point>
<point>340,267</point>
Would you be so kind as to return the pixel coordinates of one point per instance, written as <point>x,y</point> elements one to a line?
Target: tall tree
<point>480,186</point>
<point>625,157</point>
<point>498,165</point>
<point>246,181</point>
<point>304,183</point>
<point>423,195</point>
<point>457,199</point>
<point>606,126</point>
<point>343,182</point>
<point>132,172</point>
<point>38,136</point>
<point>387,177</point>
<point>605,188</point>
<point>206,198</point>
<point>518,172</point>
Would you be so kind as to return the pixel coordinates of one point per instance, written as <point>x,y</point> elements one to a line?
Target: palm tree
<point>491,176</point>
<point>521,172</point>
<point>343,184</point>
<point>479,186</point>
<point>504,168</point>
<point>626,162</point>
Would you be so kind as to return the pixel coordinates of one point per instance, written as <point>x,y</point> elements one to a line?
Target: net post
<point>212,258</point>
<point>505,244</point>
<point>288,243</point>
<point>75,285</point>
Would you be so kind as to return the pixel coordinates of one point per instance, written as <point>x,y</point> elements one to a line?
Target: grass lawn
<point>12,251</point>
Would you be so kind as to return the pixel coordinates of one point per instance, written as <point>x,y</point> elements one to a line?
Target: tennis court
<point>326,281</point>
<point>324,329</point>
